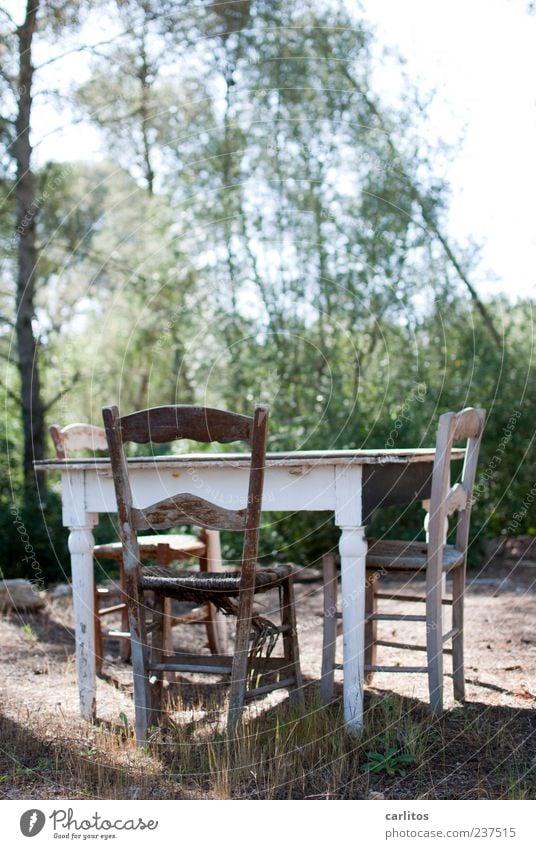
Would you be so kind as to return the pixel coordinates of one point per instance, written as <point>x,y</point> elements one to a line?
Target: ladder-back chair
<point>434,559</point>
<point>232,592</point>
<point>163,549</point>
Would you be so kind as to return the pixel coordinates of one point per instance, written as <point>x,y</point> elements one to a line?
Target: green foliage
<point>256,234</point>
<point>391,761</point>
<point>34,542</point>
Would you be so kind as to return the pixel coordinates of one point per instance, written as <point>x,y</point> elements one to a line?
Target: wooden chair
<point>433,559</point>
<point>232,592</point>
<point>164,549</point>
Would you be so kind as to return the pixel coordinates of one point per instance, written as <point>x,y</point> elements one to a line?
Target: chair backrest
<point>77,437</point>
<point>445,500</point>
<point>201,424</point>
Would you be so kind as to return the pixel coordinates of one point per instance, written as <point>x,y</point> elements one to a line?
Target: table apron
<point>284,489</point>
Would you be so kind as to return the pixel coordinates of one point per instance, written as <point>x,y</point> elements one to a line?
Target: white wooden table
<point>352,484</point>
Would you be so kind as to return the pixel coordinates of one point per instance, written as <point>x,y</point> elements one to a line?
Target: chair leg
<point>217,634</point>
<point>98,635</point>
<point>371,626</point>
<point>458,589</point>
<point>434,644</point>
<point>239,670</point>
<point>167,637</point>
<point>329,640</point>
<point>216,631</point>
<point>138,637</point>
<point>158,647</point>
<point>290,643</point>
<point>124,644</point>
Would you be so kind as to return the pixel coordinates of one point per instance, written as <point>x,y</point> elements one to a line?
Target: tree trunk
<point>26,211</point>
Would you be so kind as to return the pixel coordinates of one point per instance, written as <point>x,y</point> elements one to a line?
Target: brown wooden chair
<point>163,549</point>
<point>232,592</point>
<point>434,560</point>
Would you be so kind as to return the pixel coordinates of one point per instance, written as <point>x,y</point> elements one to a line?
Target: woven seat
<point>253,669</point>
<point>209,586</point>
<point>404,556</point>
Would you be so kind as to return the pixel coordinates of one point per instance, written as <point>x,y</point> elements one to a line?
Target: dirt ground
<point>37,662</point>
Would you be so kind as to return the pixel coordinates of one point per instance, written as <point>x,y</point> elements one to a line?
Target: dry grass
<point>486,749</point>
<point>472,752</point>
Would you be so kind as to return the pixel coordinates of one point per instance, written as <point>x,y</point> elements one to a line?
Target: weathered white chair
<point>232,592</point>
<point>159,548</point>
<point>432,559</point>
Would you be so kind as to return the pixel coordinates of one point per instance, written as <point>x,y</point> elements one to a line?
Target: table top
<point>357,456</point>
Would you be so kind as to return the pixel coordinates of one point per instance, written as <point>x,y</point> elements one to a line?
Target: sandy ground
<point>486,749</point>
<point>38,666</point>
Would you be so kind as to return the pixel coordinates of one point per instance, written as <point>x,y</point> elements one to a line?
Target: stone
<point>20,594</point>
<point>62,591</point>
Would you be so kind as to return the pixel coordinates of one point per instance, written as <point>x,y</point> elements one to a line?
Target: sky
<point>478,57</point>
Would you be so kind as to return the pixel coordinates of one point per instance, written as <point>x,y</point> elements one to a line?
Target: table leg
<point>81,546</point>
<point>353,553</point>
<point>217,627</point>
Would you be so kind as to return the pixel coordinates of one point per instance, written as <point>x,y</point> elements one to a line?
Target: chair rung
<point>219,665</point>
<point>419,669</point>
<point>208,668</point>
<point>105,611</point>
<point>450,634</point>
<point>117,635</point>
<point>392,645</point>
<point>415,598</point>
<point>406,646</point>
<point>368,668</point>
<point>267,688</point>
<point>399,597</point>
<point>394,617</point>
<point>198,616</point>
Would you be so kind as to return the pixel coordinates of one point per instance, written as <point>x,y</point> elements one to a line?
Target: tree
<point>31,401</point>
<point>18,75</point>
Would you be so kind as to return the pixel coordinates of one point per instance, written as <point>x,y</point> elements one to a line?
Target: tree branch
<point>8,16</point>
<point>61,393</point>
<point>79,49</point>
<point>431,224</point>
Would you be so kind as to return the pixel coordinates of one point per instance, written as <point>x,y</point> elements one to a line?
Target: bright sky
<point>479,57</point>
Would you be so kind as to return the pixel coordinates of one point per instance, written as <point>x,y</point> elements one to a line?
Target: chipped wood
<point>201,424</point>
<point>288,460</point>
<point>188,509</point>
<point>456,499</point>
<point>77,437</point>
<point>433,558</point>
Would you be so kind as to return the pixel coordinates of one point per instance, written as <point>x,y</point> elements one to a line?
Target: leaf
<point>376,756</point>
